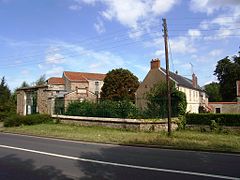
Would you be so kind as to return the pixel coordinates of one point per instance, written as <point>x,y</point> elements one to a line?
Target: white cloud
<point>133,14</point>
<point>74,7</point>
<point>160,52</point>
<point>215,52</point>
<point>182,45</point>
<point>226,22</point>
<point>99,26</point>
<point>160,7</point>
<point>144,69</point>
<point>210,6</point>
<point>78,58</point>
<point>194,33</point>
<point>55,71</point>
<point>25,72</point>
<point>55,59</point>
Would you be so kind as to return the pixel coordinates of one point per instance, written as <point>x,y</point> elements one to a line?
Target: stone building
<point>227,107</point>
<point>195,95</point>
<point>58,92</point>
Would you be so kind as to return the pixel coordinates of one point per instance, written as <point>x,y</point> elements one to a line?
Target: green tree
<point>119,84</point>
<point>213,91</point>
<point>157,101</point>
<point>5,96</point>
<point>41,80</point>
<point>228,72</point>
<point>24,84</point>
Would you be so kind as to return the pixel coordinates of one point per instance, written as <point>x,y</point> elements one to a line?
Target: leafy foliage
<point>107,108</point>
<point>119,84</point>
<point>24,84</point>
<point>17,120</point>
<point>7,103</point>
<point>41,80</point>
<point>213,91</point>
<point>221,119</point>
<point>228,72</point>
<point>157,101</point>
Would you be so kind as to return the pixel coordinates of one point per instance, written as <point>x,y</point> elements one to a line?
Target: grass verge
<point>187,139</point>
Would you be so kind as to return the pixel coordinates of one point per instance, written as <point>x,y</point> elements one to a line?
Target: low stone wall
<point>118,123</point>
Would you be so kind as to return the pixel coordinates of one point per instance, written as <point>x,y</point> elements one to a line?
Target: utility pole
<point>167,74</point>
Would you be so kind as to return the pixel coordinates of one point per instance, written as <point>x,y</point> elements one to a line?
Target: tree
<point>213,91</point>
<point>41,80</point>
<point>228,72</point>
<point>119,84</point>
<point>24,84</point>
<point>157,101</point>
<point>5,96</point>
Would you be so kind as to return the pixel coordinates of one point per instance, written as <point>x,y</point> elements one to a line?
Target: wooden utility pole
<point>167,74</point>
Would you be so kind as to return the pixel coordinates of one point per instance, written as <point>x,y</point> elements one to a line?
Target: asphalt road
<point>25,157</point>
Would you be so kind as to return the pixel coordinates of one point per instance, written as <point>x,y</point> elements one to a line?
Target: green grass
<point>187,139</point>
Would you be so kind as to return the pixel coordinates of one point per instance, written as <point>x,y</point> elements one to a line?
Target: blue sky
<point>52,36</point>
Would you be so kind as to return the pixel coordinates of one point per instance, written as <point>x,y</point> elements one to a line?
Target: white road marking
<point>121,165</point>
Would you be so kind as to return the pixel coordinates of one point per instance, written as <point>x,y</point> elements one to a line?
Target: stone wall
<point>226,107</point>
<point>118,123</point>
<point>42,101</point>
<point>21,104</point>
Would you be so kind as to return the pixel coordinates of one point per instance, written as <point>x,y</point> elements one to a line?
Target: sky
<point>52,36</point>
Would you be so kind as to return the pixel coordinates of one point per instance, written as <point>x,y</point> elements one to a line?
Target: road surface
<point>26,157</point>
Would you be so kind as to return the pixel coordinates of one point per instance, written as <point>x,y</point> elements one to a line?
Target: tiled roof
<point>55,80</point>
<point>82,76</point>
<point>182,80</point>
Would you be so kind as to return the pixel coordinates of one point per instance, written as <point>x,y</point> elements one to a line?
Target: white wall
<point>193,99</point>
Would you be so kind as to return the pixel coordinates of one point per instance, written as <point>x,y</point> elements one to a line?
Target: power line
<point>73,54</point>
<point>69,49</point>
<point>171,57</point>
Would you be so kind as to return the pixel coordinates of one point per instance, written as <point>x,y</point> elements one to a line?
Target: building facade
<point>58,92</point>
<point>195,96</point>
<point>227,107</point>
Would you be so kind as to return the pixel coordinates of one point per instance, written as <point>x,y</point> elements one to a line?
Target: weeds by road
<point>185,139</point>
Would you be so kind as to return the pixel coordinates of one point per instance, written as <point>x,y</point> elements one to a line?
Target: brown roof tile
<point>81,76</point>
<point>55,80</point>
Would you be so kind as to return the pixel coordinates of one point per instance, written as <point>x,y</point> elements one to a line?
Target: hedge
<point>17,120</point>
<point>221,119</point>
<point>107,108</point>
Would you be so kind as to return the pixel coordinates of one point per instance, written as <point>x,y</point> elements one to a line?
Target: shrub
<point>157,101</point>
<point>17,120</point>
<point>77,108</point>
<point>181,122</point>
<point>221,119</point>
<point>107,108</point>
<point>3,116</point>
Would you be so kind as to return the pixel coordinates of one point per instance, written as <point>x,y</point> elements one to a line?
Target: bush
<point>3,116</point>
<point>221,119</point>
<point>107,108</point>
<point>158,101</point>
<point>17,120</point>
<point>181,122</point>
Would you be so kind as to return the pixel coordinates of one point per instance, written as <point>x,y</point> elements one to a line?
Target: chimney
<point>194,80</point>
<point>155,64</point>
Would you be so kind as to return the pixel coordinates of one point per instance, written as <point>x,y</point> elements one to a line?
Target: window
<point>218,110</point>
<point>96,86</point>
